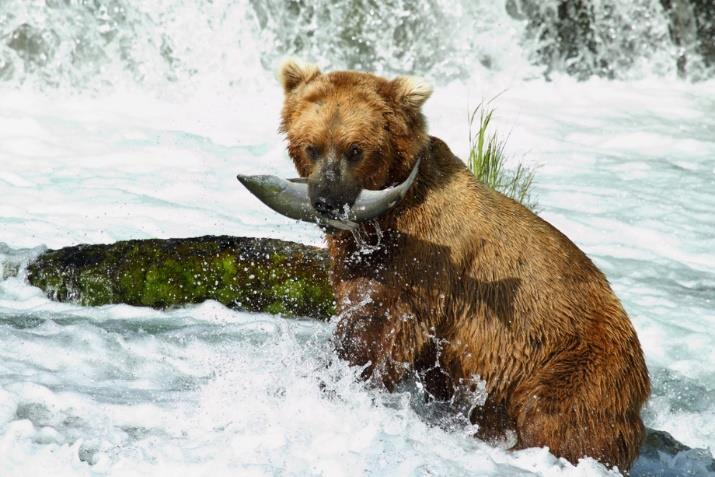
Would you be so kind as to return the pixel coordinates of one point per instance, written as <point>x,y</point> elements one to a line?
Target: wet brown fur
<point>469,282</point>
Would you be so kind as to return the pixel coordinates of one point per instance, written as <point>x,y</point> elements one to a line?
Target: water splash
<point>362,236</point>
<point>13,262</point>
<point>118,43</point>
<point>227,43</point>
<point>440,38</point>
<point>617,39</point>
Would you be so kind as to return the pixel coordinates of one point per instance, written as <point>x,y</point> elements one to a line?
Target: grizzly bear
<point>460,281</point>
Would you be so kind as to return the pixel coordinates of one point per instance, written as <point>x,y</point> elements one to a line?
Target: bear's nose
<point>325,206</point>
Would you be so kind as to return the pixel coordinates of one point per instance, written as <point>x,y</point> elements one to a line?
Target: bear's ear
<point>411,91</point>
<point>294,72</point>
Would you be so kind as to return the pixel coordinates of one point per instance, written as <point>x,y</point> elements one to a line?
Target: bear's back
<point>522,290</point>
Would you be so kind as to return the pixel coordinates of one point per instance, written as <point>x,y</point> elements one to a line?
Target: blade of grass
<point>487,160</point>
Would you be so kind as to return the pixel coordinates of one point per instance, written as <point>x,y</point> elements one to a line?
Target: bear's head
<point>349,131</point>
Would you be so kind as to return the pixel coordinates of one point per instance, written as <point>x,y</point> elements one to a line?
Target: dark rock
<point>692,29</point>
<point>661,441</point>
<point>662,455</point>
<point>253,274</point>
<point>585,38</point>
<point>34,45</point>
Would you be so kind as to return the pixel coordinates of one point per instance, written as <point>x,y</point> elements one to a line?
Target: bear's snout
<point>327,207</point>
<point>332,191</point>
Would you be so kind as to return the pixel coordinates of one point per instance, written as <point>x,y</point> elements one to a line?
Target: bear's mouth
<point>289,197</point>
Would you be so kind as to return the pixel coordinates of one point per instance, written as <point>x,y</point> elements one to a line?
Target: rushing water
<point>125,119</point>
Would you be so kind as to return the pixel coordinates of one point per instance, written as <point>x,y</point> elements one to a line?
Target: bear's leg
<point>385,342</point>
<point>570,407</point>
<point>492,420</point>
<point>609,439</point>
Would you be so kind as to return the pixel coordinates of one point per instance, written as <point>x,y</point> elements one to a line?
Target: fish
<point>289,197</point>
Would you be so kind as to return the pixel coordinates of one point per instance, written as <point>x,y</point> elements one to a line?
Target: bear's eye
<point>312,151</point>
<point>354,152</point>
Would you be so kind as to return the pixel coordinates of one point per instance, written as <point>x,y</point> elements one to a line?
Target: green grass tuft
<point>487,161</point>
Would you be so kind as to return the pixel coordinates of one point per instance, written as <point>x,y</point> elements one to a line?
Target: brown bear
<point>461,281</point>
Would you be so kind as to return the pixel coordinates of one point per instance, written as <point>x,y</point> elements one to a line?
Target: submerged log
<point>252,274</point>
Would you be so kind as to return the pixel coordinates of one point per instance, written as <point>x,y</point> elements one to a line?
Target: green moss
<point>487,161</point>
<point>266,275</point>
<point>228,266</point>
<point>52,283</point>
<point>277,308</point>
<point>95,289</point>
<point>131,283</point>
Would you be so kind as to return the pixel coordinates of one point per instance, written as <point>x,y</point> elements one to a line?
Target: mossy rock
<point>253,274</point>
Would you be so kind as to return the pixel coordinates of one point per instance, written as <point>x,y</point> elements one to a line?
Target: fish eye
<point>354,152</point>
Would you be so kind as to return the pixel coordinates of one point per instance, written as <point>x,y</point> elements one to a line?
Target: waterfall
<point>98,43</point>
